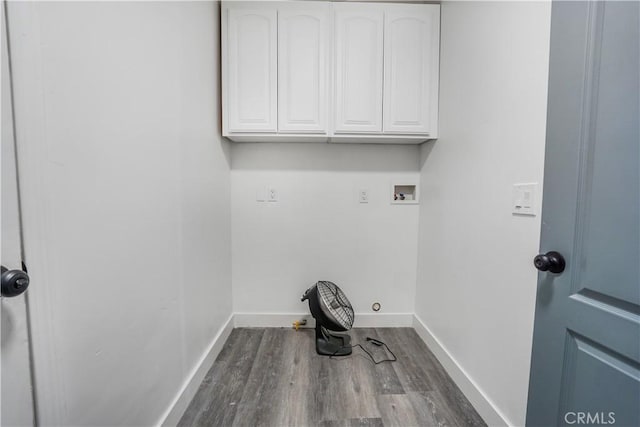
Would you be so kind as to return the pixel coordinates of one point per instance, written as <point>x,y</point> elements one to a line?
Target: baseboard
<point>285,320</point>
<point>180,403</point>
<point>487,410</point>
<point>383,320</point>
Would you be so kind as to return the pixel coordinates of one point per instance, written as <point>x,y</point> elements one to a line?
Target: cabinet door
<point>358,49</point>
<point>411,64</point>
<point>251,67</point>
<point>302,67</point>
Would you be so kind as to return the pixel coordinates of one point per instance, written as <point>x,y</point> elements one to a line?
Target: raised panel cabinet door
<point>411,65</point>
<point>302,67</point>
<point>359,58</point>
<point>251,68</point>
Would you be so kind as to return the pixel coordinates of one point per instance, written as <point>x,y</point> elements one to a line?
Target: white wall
<point>476,286</point>
<point>318,230</point>
<point>125,186</point>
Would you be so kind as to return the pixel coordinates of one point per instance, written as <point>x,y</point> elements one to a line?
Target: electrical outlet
<point>363,195</point>
<point>272,194</point>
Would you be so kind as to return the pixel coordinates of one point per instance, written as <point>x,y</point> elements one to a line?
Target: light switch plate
<point>525,199</point>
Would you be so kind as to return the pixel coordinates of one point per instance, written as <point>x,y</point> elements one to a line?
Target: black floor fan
<point>333,312</point>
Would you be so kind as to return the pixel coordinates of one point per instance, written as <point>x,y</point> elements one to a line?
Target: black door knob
<point>551,261</point>
<point>14,282</point>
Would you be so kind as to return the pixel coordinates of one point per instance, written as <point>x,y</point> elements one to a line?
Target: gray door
<point>586,347</point>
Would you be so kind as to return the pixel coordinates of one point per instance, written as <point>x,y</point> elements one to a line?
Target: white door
<point>251,33</point>
<point>16,401</point>
<point>359,60</point>
<point>411,63</point>
<point>302,67</point>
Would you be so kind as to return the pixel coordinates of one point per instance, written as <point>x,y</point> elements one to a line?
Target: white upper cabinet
<point>317,70</point>
<point>303,66</point>
<point>359,67</point>
<point>411,60</point>
<point>250,37</point>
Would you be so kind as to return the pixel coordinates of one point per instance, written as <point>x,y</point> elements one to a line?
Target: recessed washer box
<point>404,194</point>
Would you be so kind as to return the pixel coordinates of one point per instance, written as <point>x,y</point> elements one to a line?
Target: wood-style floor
<point>273,377</point>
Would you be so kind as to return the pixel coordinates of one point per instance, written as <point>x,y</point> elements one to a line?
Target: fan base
<point>330,344</point>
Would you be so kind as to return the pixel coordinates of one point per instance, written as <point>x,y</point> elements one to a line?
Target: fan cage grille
<point>336,302</point>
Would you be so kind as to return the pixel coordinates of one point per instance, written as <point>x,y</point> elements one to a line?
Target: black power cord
<point>372,341</point>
